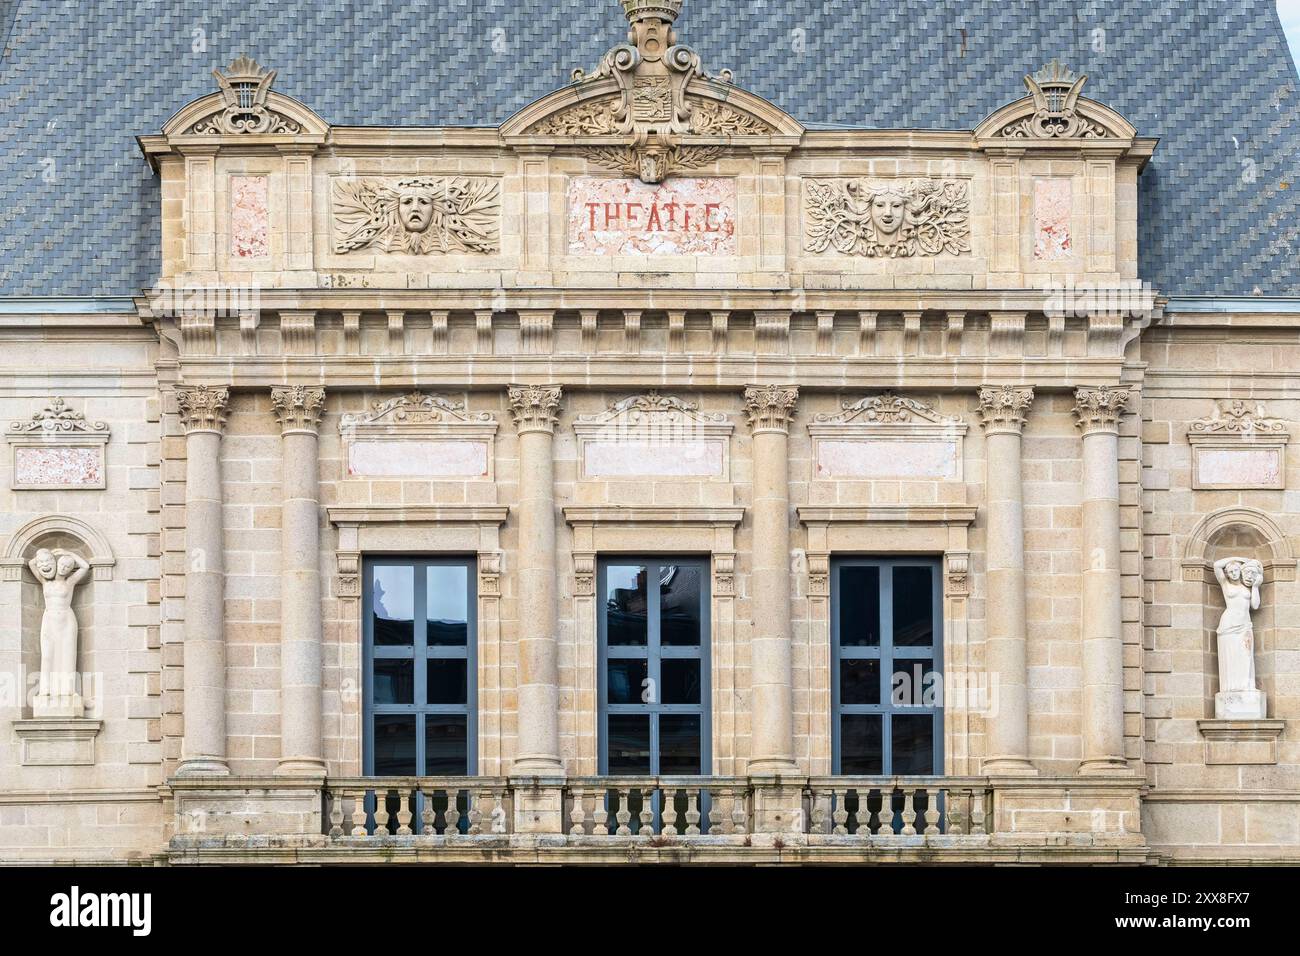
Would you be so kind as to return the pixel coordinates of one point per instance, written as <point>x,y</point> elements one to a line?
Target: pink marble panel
<point>626,217</point>
<point>886,459</point>
<point>1239,467</point>
<point>700,458</point>
<point>249,217</point>
<point>418,459</point>
<point>58,466</point>
<point>1053,203</point>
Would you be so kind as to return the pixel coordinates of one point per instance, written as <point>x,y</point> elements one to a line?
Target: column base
<point>203,767</point>
<point>300,767</point>
<point>537,765</point>
<point>1008,767</point>
<point>773,767</point>
<point>1103,766</point>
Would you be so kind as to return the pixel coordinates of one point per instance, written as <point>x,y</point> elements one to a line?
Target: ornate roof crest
<point>1055,90</point>
<point>244,87</point>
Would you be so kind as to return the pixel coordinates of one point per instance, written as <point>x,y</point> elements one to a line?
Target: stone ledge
<point>1241,741</point>
<point>57,741</point>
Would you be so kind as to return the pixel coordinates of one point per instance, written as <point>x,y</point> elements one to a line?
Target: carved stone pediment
<point>1238,447</point>
<point>57,418</point>
<point>413,410</point>
<point>899,218</point>
<point>417,215</point>
<point>1054,111</point>
<point>651,410</point>
<point>886,436</point>
<point>58,447</point>
<point>245,105</point>
<point>419,436</point>
<point>653,434</point>
<point>708,117</point>
<point>1236,416</point>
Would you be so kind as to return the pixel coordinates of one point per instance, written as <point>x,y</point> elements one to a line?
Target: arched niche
<point>21,591</point>
<point>1249,533</point>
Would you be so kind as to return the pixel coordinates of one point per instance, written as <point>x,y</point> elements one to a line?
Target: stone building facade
<point>651,476</point>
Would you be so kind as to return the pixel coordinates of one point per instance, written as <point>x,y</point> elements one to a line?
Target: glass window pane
<point>679,605</point>
<point>913,743</point>
<point>629,743</point>
<point>394,681</point>
<point>626,604</point>
<point>859,680</point>
<point>913,607</point>
<point>446,682</point>
<point>679,744</point>
<point>914,683</point>
<point>859,607</point>
<point>680,680</point>
<point>626,682</point>
<point>394,745</point>
<point>447,601</point>
<point>446,752</point>
<point>392,591</point>
<point>860,740</point>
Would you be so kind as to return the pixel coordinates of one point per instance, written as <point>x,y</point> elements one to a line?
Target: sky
<point>1289,10</point>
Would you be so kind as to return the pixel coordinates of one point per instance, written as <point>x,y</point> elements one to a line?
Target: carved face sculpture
<point>46,564</point>
<point>1233,571</point>
<point>65,565</point>
<point>415,207</point>
<point>1252,573</point>
<point>887,212</point>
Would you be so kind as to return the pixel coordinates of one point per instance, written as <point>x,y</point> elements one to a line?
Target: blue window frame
<point>653,672</point>
<point>420,696</point>
<point>886,661</point>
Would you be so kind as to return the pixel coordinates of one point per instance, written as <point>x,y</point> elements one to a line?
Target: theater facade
<point>656,476</point>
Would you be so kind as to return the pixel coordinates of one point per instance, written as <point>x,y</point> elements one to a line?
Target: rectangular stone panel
<point>418,459</point>
<point>1053,199</point>
<point>249,217</point>
<point>626,217</point>
<point>689,458</point>
<point>869,458</point>
<point>1249,466</point>
<point>58,466</point>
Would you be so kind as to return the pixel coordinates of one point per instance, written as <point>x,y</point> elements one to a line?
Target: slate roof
<point>1212,78</point>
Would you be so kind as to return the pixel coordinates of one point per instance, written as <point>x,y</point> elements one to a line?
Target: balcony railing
<point>888,807</point>
<point>657,806</point>
<point>417,806</point>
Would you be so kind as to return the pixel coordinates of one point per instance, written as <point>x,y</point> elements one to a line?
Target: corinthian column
<point>298,409</point>
<point>1003,409</point>
<point>770,409</point>
<point>535,409</point>
<point>203,413</point>
<point>1098,411</point>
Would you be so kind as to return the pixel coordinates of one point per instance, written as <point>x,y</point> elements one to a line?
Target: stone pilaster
<point>203,413</point>
<point>1098,411</point>
<point>770,409</point>
<point>298,409</point>
<point>535,409</point>
<point>1003,409</point>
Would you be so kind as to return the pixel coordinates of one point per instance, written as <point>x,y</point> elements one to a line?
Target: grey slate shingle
<point>79,206</point>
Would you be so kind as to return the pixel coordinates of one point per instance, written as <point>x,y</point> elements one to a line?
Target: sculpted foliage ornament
<point>885,409</point>
<point>654,163</point>
<point>1237,416</point>
<point>244,86</point>
<point>1099,409</point>
<point>770,407</point>
<point>534,407</point>
<point>1055,90</point>
<point>1003,408</point>
<point>887,218</point>
<point>653,409</point>
<point>298,407</point>
<point>203,407</point>
<point>57,418</point>
<point>418,216</point>
<point>414,408</point>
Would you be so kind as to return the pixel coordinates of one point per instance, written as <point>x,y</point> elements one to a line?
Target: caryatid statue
<point>59,573</point>
<point>1238,698</point>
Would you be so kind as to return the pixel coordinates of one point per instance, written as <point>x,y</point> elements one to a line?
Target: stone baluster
<point>298,409</point>
<point>203,413</point>
<point>1003,409</point>
<point>1098,411</point>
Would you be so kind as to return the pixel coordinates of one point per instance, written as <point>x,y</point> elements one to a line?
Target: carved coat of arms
<point>417,216</point>
<point>887,218</point>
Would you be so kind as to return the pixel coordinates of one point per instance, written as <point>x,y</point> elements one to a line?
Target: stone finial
<point>1055,90</point>
<point>1003,408</point>
<point>244,87</point>
<point>298,408</point>
<point>1099,409</point>
<point>535,407</point>
<point>770,407</point>
<point>203,407</point>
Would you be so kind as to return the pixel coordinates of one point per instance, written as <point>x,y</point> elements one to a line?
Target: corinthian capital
<point>535,407</point>
<point>203,407</point>
<point>770,407</point>
<point>1003,407</point>
<point>1099,409</point>
<point>298,407</point>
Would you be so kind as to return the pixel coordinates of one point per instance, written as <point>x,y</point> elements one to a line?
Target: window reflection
<point>627,605</point>
<point>393,602</point>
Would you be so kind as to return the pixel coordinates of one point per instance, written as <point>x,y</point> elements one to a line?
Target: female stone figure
<point>59,572</point>
<point>1238,696</point>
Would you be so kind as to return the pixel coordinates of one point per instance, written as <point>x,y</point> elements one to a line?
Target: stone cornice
<point>649,514</point>
<point>438,514</point>
<point>899,514</point>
